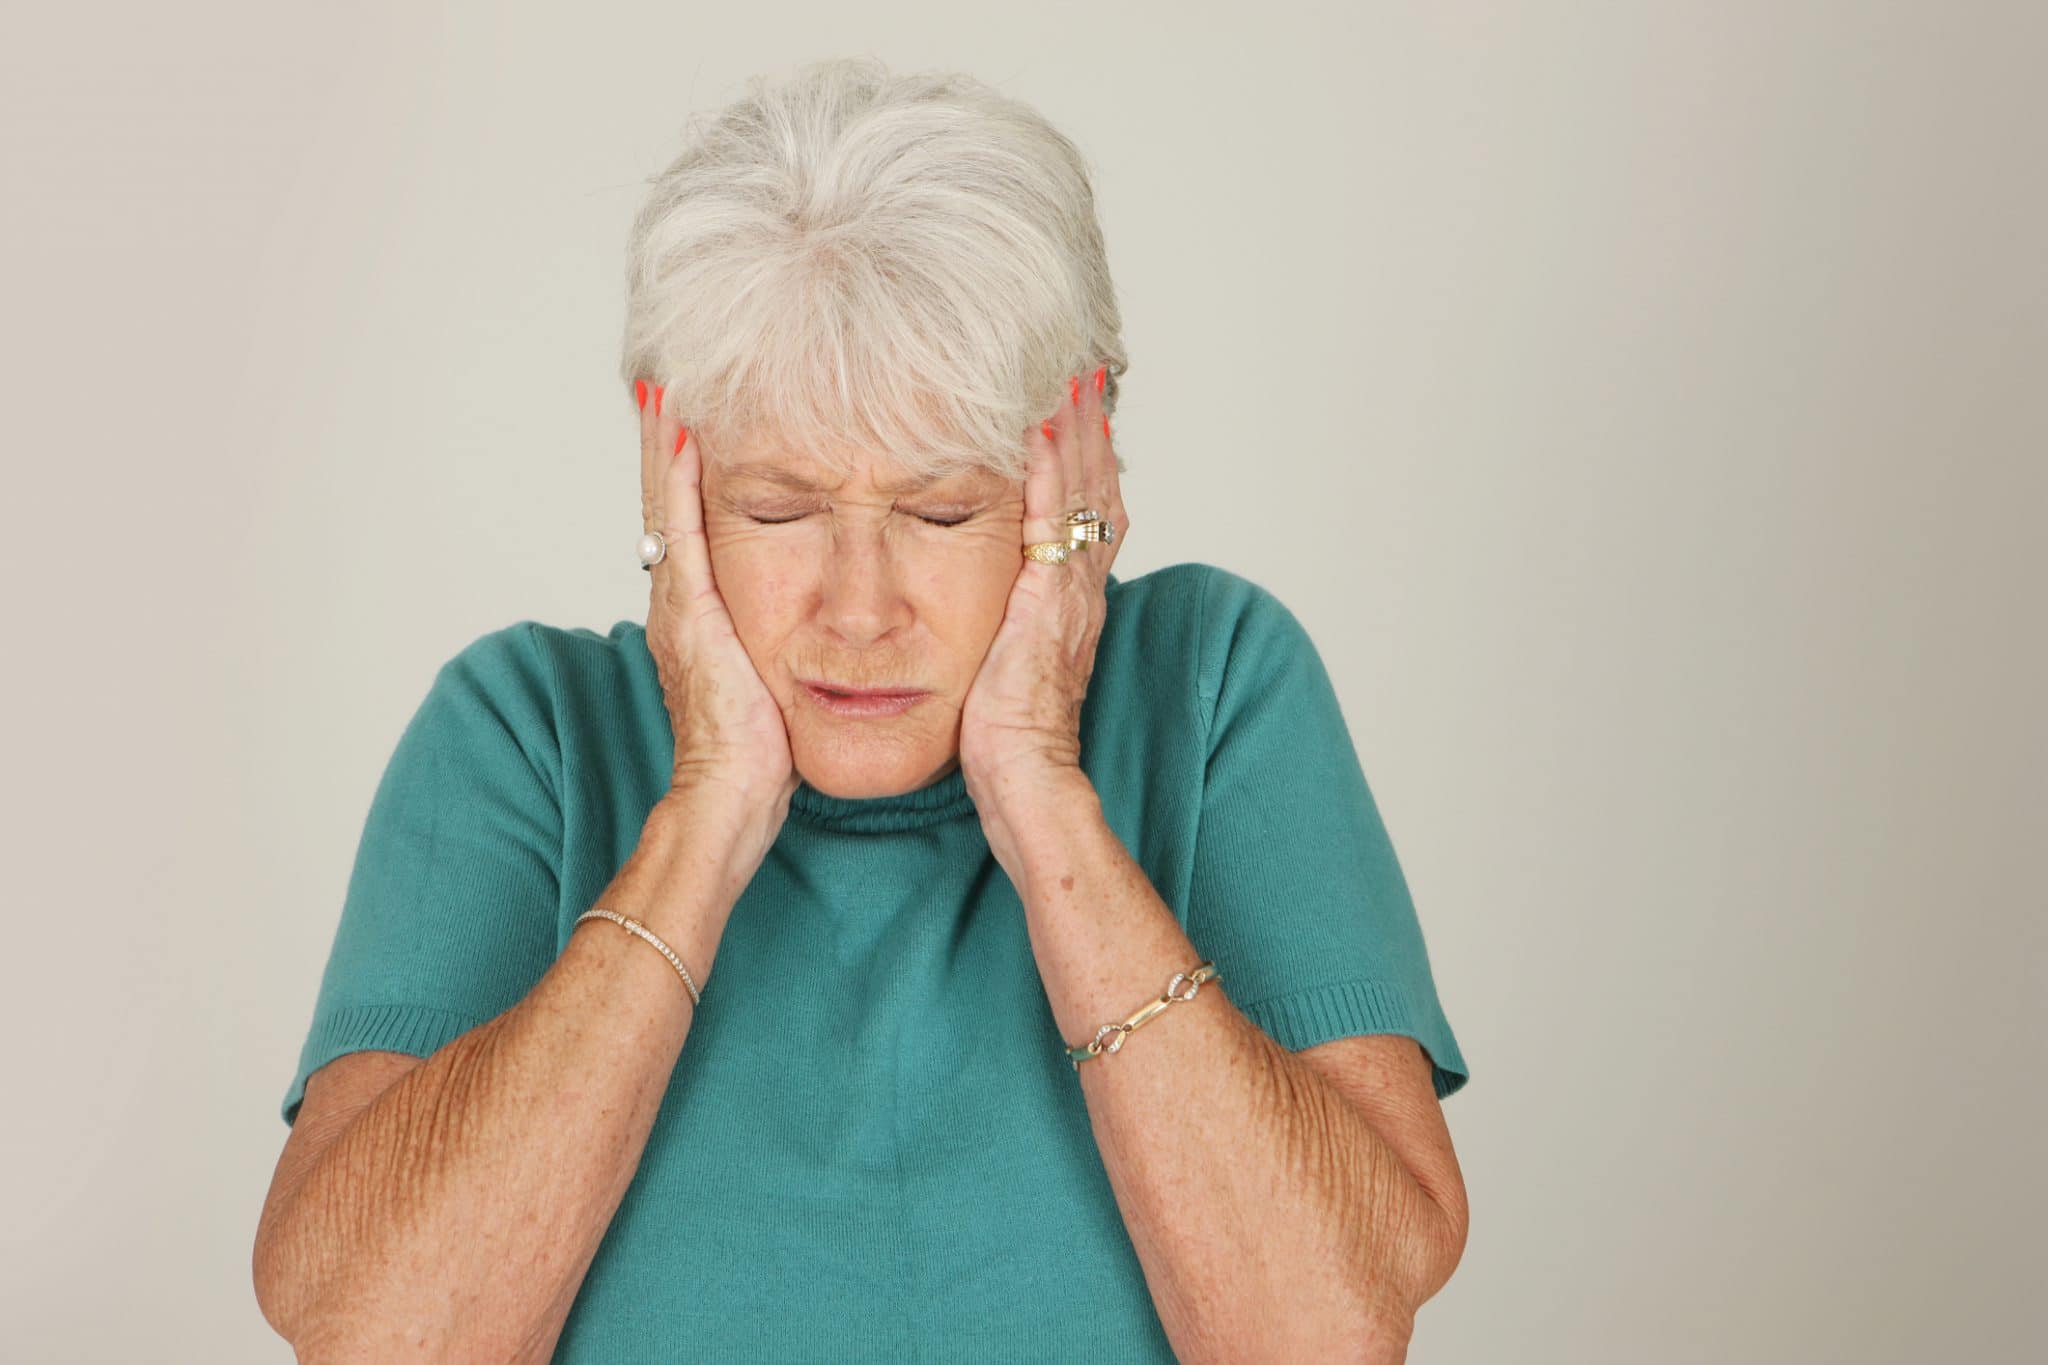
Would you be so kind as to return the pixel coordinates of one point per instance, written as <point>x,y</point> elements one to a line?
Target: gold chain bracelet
<point>1116,1033</point>
<point>634,926</point>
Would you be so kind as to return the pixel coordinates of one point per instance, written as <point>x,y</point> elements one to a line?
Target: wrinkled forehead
<point>765,465</point>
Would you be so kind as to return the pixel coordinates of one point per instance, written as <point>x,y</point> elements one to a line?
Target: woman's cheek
<point>980,579</point>
<point>757,578</point>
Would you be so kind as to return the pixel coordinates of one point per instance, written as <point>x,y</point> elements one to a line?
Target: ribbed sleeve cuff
<point>1343,1009</point>
<point>418,1030</point>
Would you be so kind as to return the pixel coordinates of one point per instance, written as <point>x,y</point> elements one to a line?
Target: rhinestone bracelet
<point>1116,1033</point>
<point>634,926</point>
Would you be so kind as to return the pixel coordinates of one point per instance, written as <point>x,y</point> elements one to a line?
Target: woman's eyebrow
<point>770,472</point>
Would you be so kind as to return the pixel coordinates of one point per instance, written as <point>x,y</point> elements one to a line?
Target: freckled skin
<point>859,591</point>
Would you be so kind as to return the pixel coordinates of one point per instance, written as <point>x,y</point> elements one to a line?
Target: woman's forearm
<point>1271,1221</point>
<point>456,1215</point>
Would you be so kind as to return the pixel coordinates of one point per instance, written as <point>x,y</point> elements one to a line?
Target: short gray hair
<point>907,263</point>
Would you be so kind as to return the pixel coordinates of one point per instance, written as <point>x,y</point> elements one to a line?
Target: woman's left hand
<point>1020,722</point>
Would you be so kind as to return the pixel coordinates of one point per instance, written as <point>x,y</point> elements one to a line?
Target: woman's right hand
<point>728,729</point>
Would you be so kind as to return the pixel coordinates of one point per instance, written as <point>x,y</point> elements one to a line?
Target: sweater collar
<point>945,799</point>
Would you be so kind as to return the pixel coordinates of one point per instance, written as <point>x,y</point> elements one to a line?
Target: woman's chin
<point>857,776</point>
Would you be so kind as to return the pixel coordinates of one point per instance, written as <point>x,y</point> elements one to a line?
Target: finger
<point>682,514</point>
<point>1094,441</point>
<point>654,455</point>
<point>648,396</point>
<point>1099,466</point>
<point>1045,497</point>
<point>1067,436</point>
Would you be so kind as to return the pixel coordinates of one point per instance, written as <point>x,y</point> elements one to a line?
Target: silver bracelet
<point>634,926</point>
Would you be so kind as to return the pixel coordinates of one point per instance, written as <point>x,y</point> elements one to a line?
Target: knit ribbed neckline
<point>945,799</point>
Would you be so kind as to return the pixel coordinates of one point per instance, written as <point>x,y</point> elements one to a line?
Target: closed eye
<point>932,521</point>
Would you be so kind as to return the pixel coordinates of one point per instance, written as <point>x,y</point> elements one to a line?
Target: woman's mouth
<point>862,702</point>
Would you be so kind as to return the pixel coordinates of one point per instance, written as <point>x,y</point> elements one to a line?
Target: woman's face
<point>855,586</point>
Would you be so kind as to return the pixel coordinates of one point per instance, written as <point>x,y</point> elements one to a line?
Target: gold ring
<point>1087,526</point>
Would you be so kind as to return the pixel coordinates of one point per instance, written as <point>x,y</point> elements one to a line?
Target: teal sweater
<point>873,1146</point>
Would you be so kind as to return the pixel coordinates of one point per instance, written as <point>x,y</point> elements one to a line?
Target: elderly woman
<point>914,942</point>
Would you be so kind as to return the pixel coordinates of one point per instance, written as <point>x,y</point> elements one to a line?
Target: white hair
<point>858,259</point>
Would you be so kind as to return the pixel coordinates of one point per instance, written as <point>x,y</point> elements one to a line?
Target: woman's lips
<point>862,703</point>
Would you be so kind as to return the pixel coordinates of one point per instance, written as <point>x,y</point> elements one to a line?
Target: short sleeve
<point>1296,893</point>
<point>451,910</point>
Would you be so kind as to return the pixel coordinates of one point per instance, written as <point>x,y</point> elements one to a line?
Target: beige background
<point>1642,404</point>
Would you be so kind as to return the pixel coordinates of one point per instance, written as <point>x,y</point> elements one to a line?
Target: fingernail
<point>682,435</point>
<point>1074,388</point>
<point>640,392</point>
<point>657,400</point>
<point>1046,427</point>
<point>1101,376</point>
<point>1105,424</point>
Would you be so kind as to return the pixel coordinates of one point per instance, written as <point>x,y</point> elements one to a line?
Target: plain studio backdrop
<point>1642,405</point>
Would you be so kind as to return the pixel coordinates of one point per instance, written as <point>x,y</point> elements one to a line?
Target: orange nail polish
<point>1074,388</point>
<point>1046,427</point>
<point>1101,376</point>
<point>682,435</point>
<point>640,392</point>
<point>657,400</point>
<point>1105,424</point>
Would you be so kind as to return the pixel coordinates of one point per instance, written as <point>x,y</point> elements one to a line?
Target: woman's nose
<point>862,596</point>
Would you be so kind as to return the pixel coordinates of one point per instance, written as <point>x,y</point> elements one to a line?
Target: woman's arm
<point>1272,1221</point>
<point>456,1215</point>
